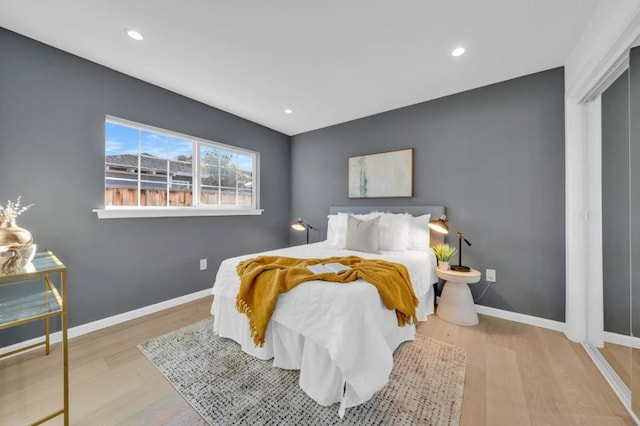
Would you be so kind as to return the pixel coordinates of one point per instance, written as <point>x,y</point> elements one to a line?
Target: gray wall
<point>52,111</point>
<point>493,156</point>
<point>615,205</point>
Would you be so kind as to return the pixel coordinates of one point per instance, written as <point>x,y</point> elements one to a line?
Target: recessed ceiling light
<point>458,51</point>
<point>134,34</point>
<point>288,111</point>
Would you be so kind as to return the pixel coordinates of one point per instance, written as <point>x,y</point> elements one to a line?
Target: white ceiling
<point>331,61</point>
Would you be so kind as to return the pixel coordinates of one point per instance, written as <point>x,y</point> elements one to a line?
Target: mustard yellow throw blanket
<point>264,278</point>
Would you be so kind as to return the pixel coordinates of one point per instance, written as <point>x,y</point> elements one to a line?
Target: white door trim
<point>599,56</point>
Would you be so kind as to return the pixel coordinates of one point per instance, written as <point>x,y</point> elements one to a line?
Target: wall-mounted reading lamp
<point>441,225</point>
<point>300,225</point>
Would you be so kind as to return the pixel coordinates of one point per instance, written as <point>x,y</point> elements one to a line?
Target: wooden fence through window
<point>177,198</point>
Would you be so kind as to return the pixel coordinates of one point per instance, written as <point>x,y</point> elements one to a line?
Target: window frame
<point>198,209</point>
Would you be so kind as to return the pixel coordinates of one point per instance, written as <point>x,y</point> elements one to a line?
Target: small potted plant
<point>443,254</point>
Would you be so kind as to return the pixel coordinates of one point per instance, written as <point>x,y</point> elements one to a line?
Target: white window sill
<point>119,213</point>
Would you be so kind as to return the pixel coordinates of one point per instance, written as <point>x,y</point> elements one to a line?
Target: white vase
<point>25,255</point>
<point>11,234</point>
<point>443,265</point>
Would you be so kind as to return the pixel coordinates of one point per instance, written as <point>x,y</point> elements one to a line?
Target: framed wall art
<point>386,174</point>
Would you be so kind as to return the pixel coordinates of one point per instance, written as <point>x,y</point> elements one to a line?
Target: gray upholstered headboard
<point>435,211</point>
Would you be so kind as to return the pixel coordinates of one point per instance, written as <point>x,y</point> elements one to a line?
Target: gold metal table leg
<point>46,320</point>
<point>65,347</point>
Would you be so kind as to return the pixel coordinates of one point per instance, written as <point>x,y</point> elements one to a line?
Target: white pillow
<point>419,233</point>
<point>367,216</point>
<point>331,224</point>
<point>363,235</point>
<point>337,229</point>
<point>394,232</point>
<point>397,232</point>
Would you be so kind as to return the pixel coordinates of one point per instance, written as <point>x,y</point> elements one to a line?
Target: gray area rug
<point>228,387</point>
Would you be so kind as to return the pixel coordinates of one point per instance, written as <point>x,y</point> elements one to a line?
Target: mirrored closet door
<point>634,215</point>
<point>621,226</point>
<point>615,227</point>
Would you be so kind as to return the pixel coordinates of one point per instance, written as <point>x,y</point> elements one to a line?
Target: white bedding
<point>340,336</point>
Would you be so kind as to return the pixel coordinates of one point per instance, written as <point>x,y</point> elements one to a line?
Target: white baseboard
<point>109,321</point>
<point>622,340</point>
<point>521,318</point>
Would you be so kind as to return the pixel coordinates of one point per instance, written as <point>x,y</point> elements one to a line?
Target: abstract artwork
<point>387,174</point>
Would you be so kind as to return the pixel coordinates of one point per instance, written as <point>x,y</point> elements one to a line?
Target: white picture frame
<point>381,175</point>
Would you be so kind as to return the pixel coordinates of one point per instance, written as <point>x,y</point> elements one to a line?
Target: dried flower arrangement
<point>12,210</point>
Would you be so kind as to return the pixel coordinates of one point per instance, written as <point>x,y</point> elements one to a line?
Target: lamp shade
<point>440,225</point>
<point>299,225</point>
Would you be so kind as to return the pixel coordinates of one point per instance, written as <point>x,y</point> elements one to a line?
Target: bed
<point>340,337</point>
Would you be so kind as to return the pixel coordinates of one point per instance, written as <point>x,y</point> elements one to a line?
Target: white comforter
<point>340,336</point>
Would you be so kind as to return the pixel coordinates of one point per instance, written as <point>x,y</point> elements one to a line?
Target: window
<point>148,168</point>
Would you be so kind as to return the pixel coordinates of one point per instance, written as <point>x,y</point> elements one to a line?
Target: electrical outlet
<point>491,275</point>
<point>203,264</point>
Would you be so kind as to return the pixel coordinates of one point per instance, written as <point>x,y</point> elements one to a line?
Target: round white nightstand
<point>456,302</point>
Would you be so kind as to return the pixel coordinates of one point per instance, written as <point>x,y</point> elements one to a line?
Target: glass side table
<point>30,294</point>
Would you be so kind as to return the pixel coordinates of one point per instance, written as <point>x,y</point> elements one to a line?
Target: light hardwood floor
<point>516,375</point>
<point>523,375</point>
<point>619,358</point>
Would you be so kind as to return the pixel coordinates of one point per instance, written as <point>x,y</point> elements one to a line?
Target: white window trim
<point>117,212</point>
<point>141,212</point>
